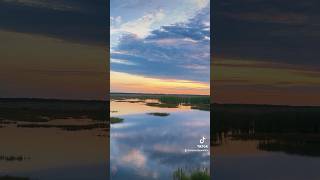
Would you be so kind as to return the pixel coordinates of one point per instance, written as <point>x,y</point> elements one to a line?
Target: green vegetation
<point>265,119</point>
<point>203,107</point>
<point>13,158</point>
<point>162,105</point>
<point>194,175</point>
<point>43,110</point>
<point>66,127</point>
<point>131,101</point>
<point>35,111</point>
<point>192,99</point>
<point>159,114</point>
<point>299,144</point>
<point>293,130</point>
<point>114,120</point>
<point>167,101</point>
<point>196,102</point>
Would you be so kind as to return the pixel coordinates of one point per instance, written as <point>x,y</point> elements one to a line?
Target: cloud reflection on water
<point>154,146</point>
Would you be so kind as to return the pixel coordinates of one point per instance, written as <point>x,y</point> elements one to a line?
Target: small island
<point>159,114</point>
<point>114,120</point>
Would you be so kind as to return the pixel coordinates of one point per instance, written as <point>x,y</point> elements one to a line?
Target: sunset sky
<point>266,52</point>
<point>53,49</point>
<point>160,46</point>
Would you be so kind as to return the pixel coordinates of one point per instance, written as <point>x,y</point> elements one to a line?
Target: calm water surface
<point>153,147</point>
<point>53,153</point>
<point>243,160</point>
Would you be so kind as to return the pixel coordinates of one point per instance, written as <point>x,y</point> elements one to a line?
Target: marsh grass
<point>181,174</point>
<point>192,99</point>
<point>44,110</point>
<point>66,127</point>
<point>288,129</point>
<point>162,105</point>
<point>168,101</point>
<point>115,120</point>
<point>131,101</point>
<point>159,114</point>
<point>196,102</point>
<point>265,119</point>
<point>203,107</point>
<point>13,158</point>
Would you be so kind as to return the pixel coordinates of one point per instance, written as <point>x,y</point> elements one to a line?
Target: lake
<point>245,160</point>
<point>153,142</point>
<point>265,142</point>
<point>49,140</point>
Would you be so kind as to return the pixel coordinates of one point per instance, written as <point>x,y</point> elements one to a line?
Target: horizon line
<point>159,93</point>
<point>105,100</point>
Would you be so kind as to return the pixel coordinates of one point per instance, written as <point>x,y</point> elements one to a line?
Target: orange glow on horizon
<point>124,82</point>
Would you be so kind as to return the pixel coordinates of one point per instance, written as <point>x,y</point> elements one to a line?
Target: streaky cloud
<point>180,50</point>
<point>80,21</point>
